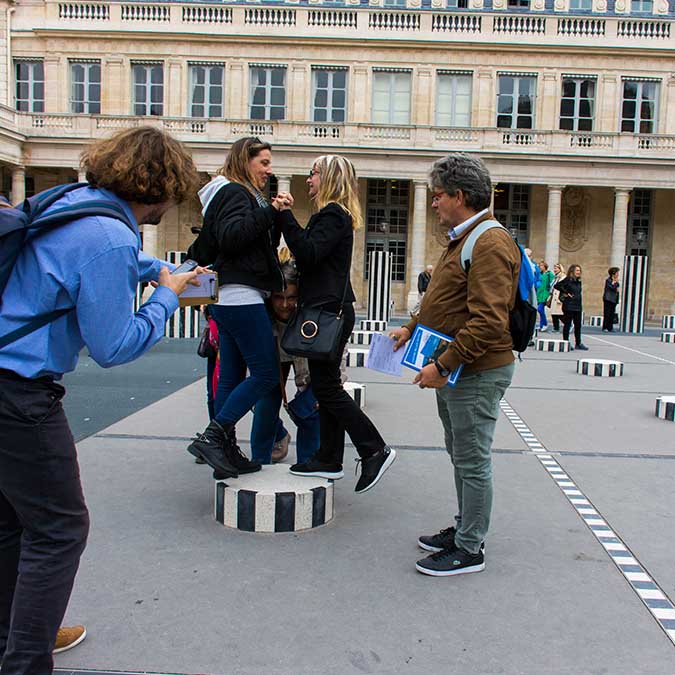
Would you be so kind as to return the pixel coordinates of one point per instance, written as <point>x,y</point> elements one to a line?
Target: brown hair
<point>143,165</point>
<point>236,163</point>
<point>570,270</point>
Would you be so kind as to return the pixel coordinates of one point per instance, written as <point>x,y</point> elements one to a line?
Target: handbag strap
<point>349,274</point>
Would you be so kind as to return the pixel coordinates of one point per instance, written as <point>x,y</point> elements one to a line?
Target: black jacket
<point>570,294</point>
<point>611,293</point>
<point>423,282</point>
<point>323,252</point>
<point>239,238</point>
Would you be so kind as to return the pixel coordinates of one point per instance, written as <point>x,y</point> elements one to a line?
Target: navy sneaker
<point>450,562</point>
<point>373,468</point>
<point>445,539</point>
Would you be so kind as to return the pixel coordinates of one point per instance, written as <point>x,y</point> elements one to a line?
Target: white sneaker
<point>543,329</point>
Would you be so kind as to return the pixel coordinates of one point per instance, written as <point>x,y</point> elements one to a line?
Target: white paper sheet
<point>383,358</point>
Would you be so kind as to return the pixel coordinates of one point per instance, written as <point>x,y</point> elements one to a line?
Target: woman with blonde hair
<point>240,240</point>
<point>556,302</point>
<point>323,254</point>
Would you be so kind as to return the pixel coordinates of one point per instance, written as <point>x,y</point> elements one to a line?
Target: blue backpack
<point>523,316</point>
<point>21,223</point>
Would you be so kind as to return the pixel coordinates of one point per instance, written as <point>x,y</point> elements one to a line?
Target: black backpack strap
<point>32,326</point>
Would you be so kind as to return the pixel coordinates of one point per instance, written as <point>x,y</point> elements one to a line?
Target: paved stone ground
<point>164,588</point>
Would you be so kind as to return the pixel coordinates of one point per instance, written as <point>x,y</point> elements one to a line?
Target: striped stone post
<point>184,322</point>
<point>634,300</point>
<point>379,290</point>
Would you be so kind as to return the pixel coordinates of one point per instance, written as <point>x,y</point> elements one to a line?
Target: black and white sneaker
<point>581,347</point>
<point>449,562</point>
<point>373,468</point>
<point>314,467</point>
<point>445,539</point>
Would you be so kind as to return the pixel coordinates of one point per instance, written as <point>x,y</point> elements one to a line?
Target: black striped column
<point>379,285</point>
<point>599,368</point>
<point>668,337</point>
<point>361,337</point>
<point>595,321</point>
<point>357,392</point>
<point>634,299</point>
<point>551,345</point>
<point>668,321</point>
<point>184,322</point>
<point>273,500</point>
<point>665,408</point>
<point>357,358</point>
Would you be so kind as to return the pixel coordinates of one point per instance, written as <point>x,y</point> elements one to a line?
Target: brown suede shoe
<point>280,449</point>
<point>69,637</point>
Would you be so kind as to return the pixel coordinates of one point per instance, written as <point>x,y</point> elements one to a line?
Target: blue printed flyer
<point>422,346</point>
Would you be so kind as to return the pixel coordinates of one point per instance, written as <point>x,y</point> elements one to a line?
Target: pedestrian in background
<point>571,297</point>
<point>610,299</point>
<point>423,280</point>
<point>544,293</point>
<point>556,304</point>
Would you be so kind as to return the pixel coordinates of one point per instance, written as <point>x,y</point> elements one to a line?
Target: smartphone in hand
<point>186,266</point>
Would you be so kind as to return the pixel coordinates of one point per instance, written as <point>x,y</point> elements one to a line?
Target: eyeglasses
<point>436,197</point>
<point>314,172</point>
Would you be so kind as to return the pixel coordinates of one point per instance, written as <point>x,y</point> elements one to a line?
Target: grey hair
<point>290,272</point>
<point>469,174</point>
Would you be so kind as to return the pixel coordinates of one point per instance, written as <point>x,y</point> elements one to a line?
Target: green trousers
<point>469,414</point>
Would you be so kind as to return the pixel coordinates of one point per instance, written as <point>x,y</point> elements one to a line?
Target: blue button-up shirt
<point>93,264</point>
<point>455,232</point>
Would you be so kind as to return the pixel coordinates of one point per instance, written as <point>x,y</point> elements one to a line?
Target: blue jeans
<point>541,308</point>
<point>246,341</point>
<point>267,429</point>
<point>469,414</point>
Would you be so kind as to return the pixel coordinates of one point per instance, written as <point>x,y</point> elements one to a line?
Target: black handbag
<point>315,333</point>
<point>205,349</point>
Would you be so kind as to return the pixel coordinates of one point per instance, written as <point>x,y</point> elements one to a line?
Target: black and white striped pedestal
<point>634,297</point>
<point>551,345</point>
<point>668,321</point>
<point>373,326</point>
<point>599,368</point>
<point>361,337</point>
<point>379,286</point>
<point>357,358</point>
<point>357,392</point>
<point>665,407</point>
<point>667,337</point>
<point>595,321</point>
<point>273,500</point>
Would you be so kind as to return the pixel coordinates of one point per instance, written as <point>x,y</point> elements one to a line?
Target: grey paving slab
<point>636,496</point>
<point>163,587</point>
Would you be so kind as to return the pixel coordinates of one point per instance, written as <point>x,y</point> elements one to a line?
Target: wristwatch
<point>443,372</point>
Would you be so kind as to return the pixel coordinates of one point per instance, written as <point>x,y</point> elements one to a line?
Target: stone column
<point>423,99</point>
<point>81,175</point>
<point>175,96</point>
<point>619,227</point>
<point>359,96</point>
<point>151,240</point>
<point>419,240</point>
<point>113,100</point>
<point>553,225</point>
<point>54,91</point>
<point>549,105</point>
<point>486,99</point>
<point>297,105</point>
<point>18,185</point>
<point>284,183</point>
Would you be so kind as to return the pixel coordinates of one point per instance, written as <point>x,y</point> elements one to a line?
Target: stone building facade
<point>570,102</point>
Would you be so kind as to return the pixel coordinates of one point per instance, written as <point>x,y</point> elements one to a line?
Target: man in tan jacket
<point>473,308</point>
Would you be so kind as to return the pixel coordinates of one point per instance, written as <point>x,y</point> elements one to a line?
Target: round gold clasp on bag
<point>309,329</point>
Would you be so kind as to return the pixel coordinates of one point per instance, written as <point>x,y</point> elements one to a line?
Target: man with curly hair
<point>90,266</point>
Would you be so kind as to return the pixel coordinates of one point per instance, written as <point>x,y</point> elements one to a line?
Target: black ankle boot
<point>212,447</point>
<point>234,454</point>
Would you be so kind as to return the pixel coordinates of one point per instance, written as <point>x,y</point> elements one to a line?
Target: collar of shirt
<point>455,232</point>
<point>125,206</point>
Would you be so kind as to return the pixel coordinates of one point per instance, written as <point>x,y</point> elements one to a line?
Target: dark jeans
<point>210,394</point>
<point>246,340</point>
<point>556,321</point>
<point>568,317</point>
<point>43,521</point>
<point>608,310</point>
<point>338,412</point>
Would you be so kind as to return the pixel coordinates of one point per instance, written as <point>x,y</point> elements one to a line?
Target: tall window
<point>581,5</point>
<point>391,97</point>
<point>453,100</point>
<point>639,106</point>
<point>512,209</point>
<point>268,93</point>
<point>387,222</point>
<point>329,99</point>
<point>516,101</point>
<point>206,89</point>
<point>148,94</point>
<point>577,104</point>
<point>639,221</point>
<point>85,87</point>
<point>642,7</point>
<point>30,86</point>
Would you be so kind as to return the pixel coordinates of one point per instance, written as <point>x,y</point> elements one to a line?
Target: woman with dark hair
<point>610,299</point>
<point>240,240</point>
<point>323,253</point>
<point>570,296</point>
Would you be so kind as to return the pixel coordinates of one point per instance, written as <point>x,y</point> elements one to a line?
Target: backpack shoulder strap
<point>467,249</point>
<point>92,207</point>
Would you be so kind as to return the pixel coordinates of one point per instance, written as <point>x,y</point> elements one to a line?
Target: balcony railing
<point>488,140</point>
<point>358,23</point>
